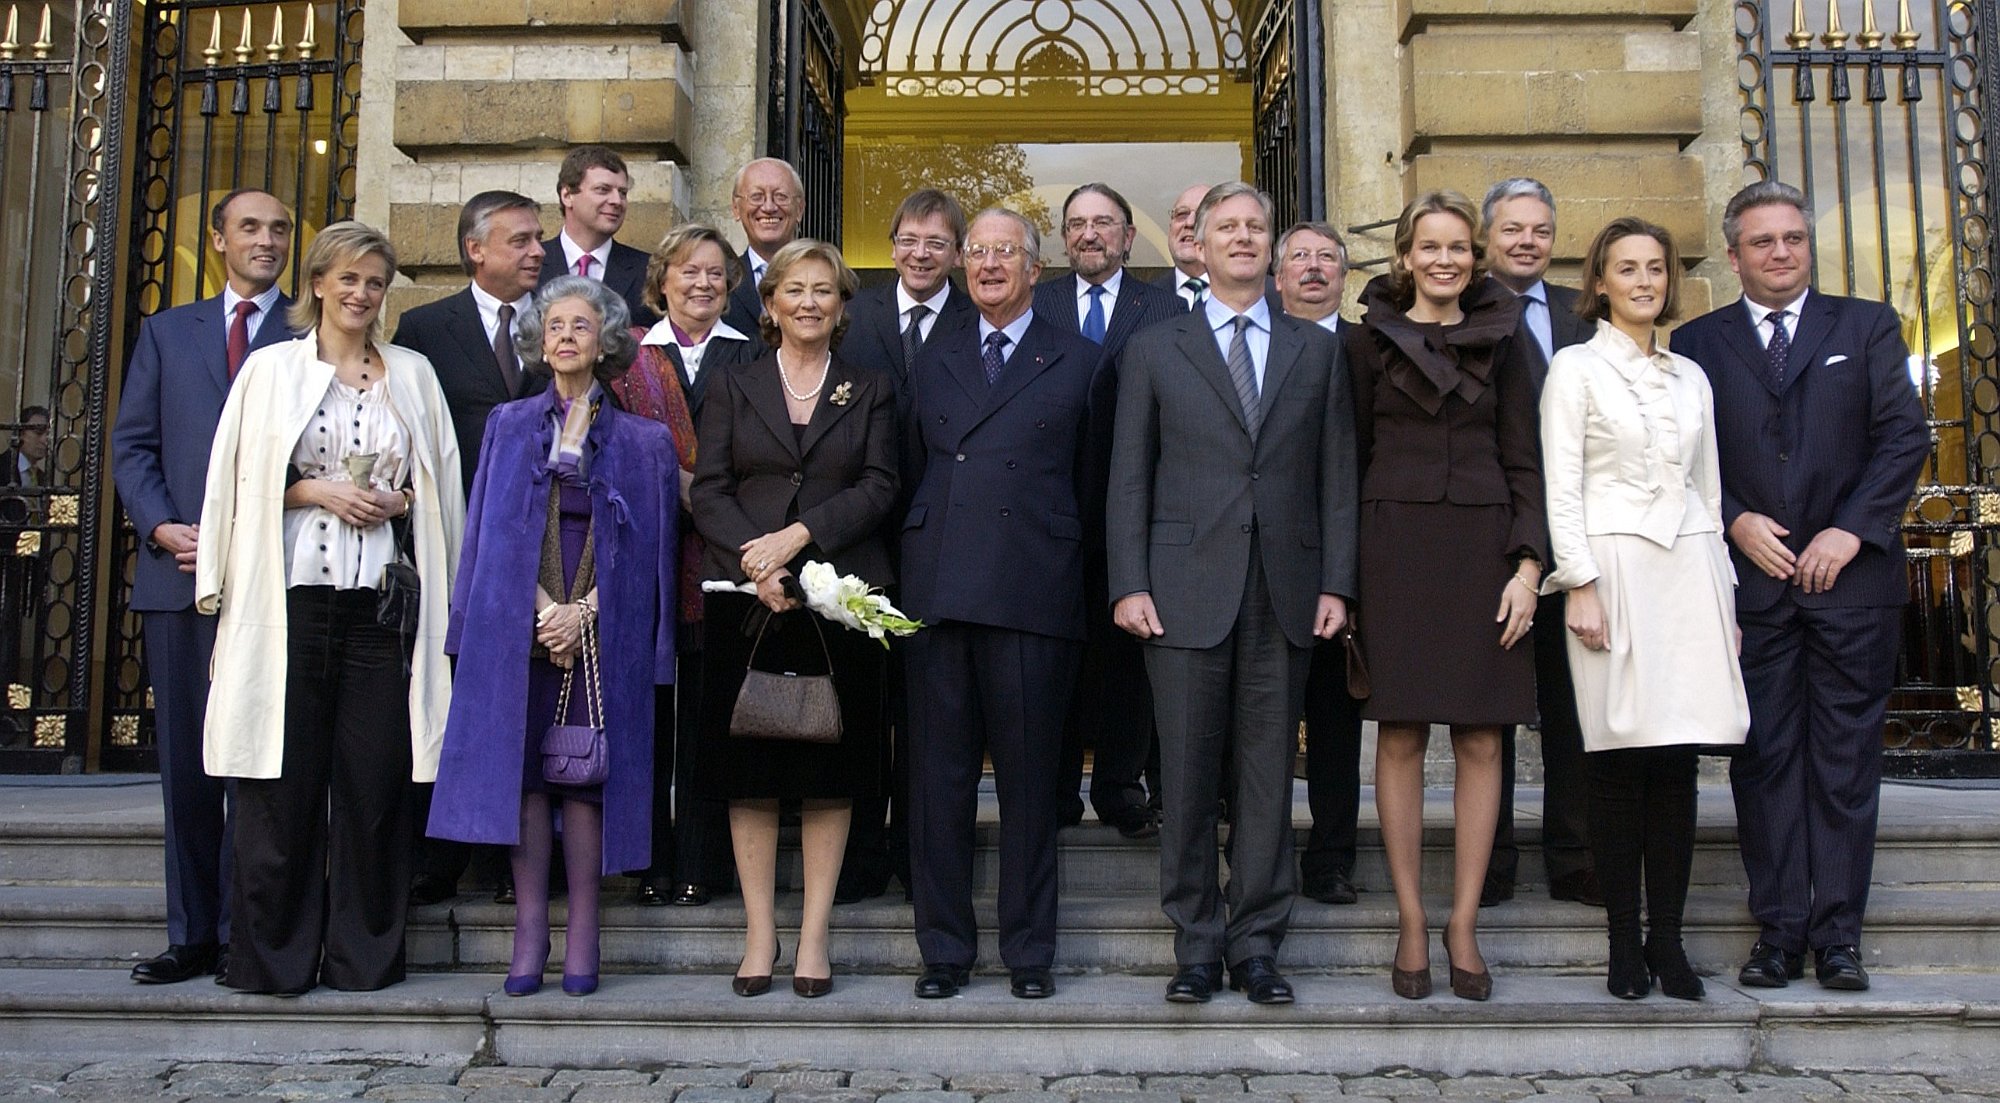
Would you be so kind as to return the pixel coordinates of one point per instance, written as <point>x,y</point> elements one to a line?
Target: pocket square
<point>1835,359</point>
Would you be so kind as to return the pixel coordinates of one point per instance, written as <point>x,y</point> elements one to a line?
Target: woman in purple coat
<point>571,525</point>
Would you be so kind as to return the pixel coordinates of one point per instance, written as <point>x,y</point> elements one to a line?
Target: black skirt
<point>760,769</point>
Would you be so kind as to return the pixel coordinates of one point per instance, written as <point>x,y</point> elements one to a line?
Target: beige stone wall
<point>731,83</point>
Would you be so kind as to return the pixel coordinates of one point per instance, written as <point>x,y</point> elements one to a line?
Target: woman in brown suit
<point>797,463</point>
<point>1451,554</point>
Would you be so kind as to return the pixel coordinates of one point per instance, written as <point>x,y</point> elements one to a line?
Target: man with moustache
<point>1231,525</point>
<point>1001,416</point>
<point>889,325</point>
<point>1820,438</point>
<point>1112,703</point>
<point>768,201</point>
<point>1519,217</point>
<point>1188,278</point>
<point>180,374</point>
<point>469,339</point>
<point>1312,277</point>
<point>592,187</point>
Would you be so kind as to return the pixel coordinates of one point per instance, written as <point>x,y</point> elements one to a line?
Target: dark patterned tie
<point>1244,375</point>
<point>913,334</point>
<point>1093,319</point>
<point>1778,351</point>
<point>990,359</point>
<point>503,350</point>
<point>239,335</point>
<point>1197,289</point>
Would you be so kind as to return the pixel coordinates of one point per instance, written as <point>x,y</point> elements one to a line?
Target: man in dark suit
<point>768,200</point>
<point>21,463</point>
<point>1188,278</point>
<point>469,339</point>
<point>1231,527</point>
<point>1520,219</point>
<point>592,187</point>
<point>1311,279</point>
<point>1112,704</point>
<point>889,324</point>
<point>1820,437</point>
<point>1002,420</point>
<point>174,389</point>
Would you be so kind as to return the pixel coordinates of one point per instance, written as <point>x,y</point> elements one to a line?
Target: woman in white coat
<point>1635,525</point>
<point>334,458</point>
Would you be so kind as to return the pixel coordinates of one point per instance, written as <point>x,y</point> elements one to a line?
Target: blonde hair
<point>339,244</point>
<point>790,257</point>
<point>1401,283</point>
<point>679,242</point>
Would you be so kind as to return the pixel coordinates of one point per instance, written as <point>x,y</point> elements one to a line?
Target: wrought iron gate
<point>1892,137</point>
<point>1287,79</point>
<point>807,106</point>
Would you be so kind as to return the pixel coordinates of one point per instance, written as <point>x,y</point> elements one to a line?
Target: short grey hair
<point>615,342</point>
<point>475,219</point>
<point>1223,193</point>
<point>1031,235</point>
<point>1764,193</point>
<point>798,182</point>
<point>1516,187</point>
<point>1323,229</point>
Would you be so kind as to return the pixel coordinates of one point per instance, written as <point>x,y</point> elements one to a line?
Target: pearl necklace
<point>786,379</point>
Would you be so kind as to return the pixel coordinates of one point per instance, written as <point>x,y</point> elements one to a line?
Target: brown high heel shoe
<point>1468,985</point>
<point>811,987</point>
<point>759,984</point>
<point>1411,984</point>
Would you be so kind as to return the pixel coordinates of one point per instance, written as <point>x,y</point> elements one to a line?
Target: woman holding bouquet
<point>797,464</point>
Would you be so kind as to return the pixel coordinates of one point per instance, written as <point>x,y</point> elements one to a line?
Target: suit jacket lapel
<point>1062,305</point>
<point>277,327</point>
<point>212,338</point>
<point>626,271</point>
<point>1279,360</point>
<point>1198,344</point>
<point>1815,321</point>
<point>1125,315</point>
<point>1739,332</point>
<point>1030,360</point>
<point>828,412</point>
<point>766,394</point>
<point>470,333</point>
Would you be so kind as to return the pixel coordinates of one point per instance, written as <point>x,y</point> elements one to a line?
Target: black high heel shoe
<point>1667,960</point>
<point>760,984</point>
<point>1628,977</point>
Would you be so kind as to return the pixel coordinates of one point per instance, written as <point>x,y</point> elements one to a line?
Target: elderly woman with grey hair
<point>575,502</point>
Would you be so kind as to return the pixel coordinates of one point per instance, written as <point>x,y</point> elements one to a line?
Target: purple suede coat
<point>634,492</point>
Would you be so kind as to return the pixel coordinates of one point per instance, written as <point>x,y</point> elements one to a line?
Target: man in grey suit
<point>1231,534</point>
<point>1519,216</point>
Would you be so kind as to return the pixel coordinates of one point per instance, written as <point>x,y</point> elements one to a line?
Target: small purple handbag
<point>575,754</point>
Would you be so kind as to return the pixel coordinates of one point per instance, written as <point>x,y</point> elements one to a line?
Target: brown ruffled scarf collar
<point>1437,361</point>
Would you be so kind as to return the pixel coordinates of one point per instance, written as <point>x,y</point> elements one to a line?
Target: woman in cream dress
<point>1635,526</point>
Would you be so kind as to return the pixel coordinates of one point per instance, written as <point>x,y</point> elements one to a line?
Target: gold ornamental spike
<point>213,53</point>
<point>1800,38</point>
<point>43,43</point>
<point>12,42</point>
<point>1870,37</point>
<point>1835,37</point>
<point>310,41</point>
<point>1906,35</point>
<point>275,48</point>
<point>243,48</point>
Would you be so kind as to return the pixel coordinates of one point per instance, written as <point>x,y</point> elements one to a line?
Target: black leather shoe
<point>429,888</point>
<point>1032,983</point>
<point>1333,888</point>
<point>649,894</point>
<point>1495,891</point>
<point>503,890</point>
<point>1195,983</point>
<point>691,895</point>
<point>221,969</point>
<point>1839,968</point>
<point>941,982</point>
<point>179,963</point>
<point>1770,967</point>
<point>1259,978</point>
<point>1580,887</point>
<point>1135,821</point>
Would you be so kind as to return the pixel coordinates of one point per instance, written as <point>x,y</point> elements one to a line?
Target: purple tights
<point>583,853</point>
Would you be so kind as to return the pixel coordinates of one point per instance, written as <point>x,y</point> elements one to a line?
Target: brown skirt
<point>1431,578</point>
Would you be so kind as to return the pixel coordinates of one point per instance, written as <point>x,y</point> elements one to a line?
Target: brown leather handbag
<point>784,704</point>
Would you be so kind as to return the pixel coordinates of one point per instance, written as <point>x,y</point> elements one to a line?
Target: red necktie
<point>239,335</point>
<point>583,264</point>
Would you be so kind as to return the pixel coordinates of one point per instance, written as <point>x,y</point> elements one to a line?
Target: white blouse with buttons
<point>320,548</point>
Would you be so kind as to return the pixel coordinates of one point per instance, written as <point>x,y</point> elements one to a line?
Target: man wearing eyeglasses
<point>993,564</point>
<point>1113,705</point>
<point>1188,278</point>
<point>768,201</point>
<point>889,324</point>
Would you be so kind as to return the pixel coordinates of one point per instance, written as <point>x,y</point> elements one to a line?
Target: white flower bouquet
<point>842,599</point>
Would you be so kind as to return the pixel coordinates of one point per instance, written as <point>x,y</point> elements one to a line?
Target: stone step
<point>1536,1023</point>
<point>114,926</point>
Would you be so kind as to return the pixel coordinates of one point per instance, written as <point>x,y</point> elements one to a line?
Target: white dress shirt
<point>1258,336</point>
<point>255,321</point>
<point>489,310</point>
<point>662,334</point>
<point>1110,287</point>
<point>905,303</point>
<point>1760,316</point>
<point>1014,330</point>
<point>600,256</point>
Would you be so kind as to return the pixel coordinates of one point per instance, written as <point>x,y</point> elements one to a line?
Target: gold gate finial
<point>275,48</point>
<point>309,42</point>
<point>1800,38</point>
<point>243,48</point>
<point>1871,35</point>
<point>1835,37</point>
<point>43,42</point>
<point>1906,35</point>
<point>213,53</point>
<point>13,40</point>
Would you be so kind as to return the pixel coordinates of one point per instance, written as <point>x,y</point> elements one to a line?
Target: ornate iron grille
<point>1286,82</point>
<point>1890,135</point>
<point>62,105</point>
<point>262,95</point>
<point>807,107</point>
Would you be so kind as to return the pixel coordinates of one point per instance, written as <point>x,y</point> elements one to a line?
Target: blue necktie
<point>1778,350</point>
<point>1093,319</point>
<point>990,359</point>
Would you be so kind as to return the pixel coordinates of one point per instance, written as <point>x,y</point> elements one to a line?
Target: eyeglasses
<point>910,243</point>
<point>1329,258</point>
<point>767,198</point>
<point>1103,224</point>
<point>1004,251</point>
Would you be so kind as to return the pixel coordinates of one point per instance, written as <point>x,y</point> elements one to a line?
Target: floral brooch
<point>843,394</point>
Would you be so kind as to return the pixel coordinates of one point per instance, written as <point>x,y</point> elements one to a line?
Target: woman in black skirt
<point>797,464</point>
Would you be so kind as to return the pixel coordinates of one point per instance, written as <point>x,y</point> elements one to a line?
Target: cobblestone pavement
<point>195,1082</point>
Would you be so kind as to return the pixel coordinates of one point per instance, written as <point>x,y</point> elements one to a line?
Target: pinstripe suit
<point>1837,445</point>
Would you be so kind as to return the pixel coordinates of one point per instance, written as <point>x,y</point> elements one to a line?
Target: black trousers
<point>1565,806</point>
<point>1333,764</point>
<point>197,806</point>
<point>1111,713</point>
<point>1808,780</point>
<point>977,690</point>
<point>690,830</point>
<point>322,855</point>
<point>878,833</point>
<point>1236,704</point>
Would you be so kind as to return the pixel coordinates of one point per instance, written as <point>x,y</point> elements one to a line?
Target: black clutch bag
<point>399,594</point>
